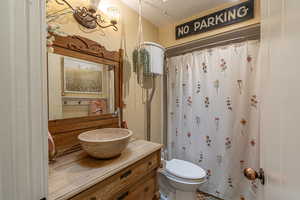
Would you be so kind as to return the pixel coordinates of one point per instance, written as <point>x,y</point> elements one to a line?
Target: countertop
<point>76,172</point>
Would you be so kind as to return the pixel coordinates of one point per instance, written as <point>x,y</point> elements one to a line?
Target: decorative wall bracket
<point>88,17</point>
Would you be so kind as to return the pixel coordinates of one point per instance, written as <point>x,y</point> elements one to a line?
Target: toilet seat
<point>182,180</point>
<point>184,171</point>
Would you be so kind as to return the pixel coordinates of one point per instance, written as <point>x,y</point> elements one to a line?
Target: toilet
<point>179,180</point>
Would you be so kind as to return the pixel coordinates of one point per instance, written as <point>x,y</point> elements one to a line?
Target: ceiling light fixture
<point>88,17</point>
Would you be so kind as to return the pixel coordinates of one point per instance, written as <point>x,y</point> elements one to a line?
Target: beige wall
<point>55,110</point>
<point>167,33</point>
<point>134,112</point>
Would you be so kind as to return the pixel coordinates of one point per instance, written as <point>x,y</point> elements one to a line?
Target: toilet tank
<point>157,57</point>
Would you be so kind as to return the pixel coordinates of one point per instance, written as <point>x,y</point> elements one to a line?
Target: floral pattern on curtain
<point>213,116</point>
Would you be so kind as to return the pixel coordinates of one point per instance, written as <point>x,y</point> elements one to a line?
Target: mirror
<point>85,89</point>
<point>79,88</point>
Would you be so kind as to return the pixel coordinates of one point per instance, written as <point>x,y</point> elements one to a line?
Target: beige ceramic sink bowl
<point>105,143</point>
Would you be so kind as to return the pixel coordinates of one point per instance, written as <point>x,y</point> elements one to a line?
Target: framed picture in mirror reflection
<point>81,77</point>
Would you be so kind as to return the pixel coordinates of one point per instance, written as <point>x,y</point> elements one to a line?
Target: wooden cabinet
<point>77,176</point>
<point>135,182</point>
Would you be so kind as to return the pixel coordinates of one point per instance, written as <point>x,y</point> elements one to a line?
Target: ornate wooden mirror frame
<point>66,131</point>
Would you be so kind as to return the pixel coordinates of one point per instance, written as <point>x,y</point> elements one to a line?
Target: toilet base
<point>178,195</point>
<point>181,195</point>
<point>168,192</point>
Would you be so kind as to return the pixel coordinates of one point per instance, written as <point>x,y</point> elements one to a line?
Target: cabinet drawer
<point>108,188</point>
<point>144,190</point>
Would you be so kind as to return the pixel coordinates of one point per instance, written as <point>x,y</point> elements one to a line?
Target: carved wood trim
<point>85,46</point>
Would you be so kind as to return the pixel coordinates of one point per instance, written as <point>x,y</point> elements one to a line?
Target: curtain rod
<point>221,43</point>
<point>243,34</point>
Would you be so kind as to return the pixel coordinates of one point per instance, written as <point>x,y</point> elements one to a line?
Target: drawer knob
<point>126,174</point>
<point>123,196</point>
<point>146,189</point>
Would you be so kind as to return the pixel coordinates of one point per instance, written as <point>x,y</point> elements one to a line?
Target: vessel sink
<point>105,143</point>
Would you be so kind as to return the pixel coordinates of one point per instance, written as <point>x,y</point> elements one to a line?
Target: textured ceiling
<point>161,12</point>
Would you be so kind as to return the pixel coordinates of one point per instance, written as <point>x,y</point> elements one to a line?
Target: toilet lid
<point>184,169</point>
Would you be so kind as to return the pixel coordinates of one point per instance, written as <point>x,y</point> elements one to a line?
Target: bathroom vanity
<point>77,176</point>
<point>85,93</point>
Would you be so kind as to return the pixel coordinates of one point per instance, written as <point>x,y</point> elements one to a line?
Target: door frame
<point>23,116</point>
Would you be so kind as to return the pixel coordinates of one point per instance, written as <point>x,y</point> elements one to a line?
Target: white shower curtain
<point>213,116</point>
